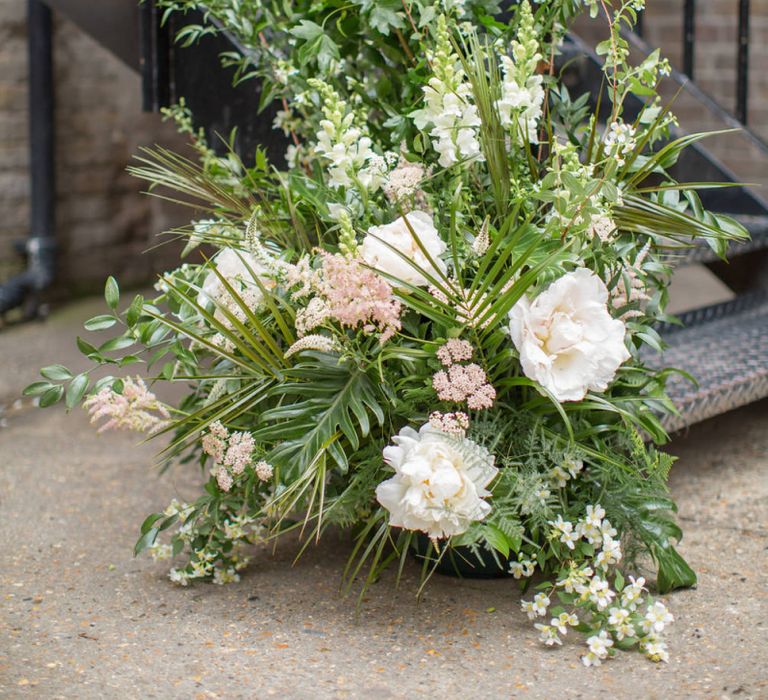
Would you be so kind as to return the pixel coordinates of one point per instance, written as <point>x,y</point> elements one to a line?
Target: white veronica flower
<point>375,251</point>
<point>567,340</point>
<point>440,482</point>
<point>233,266</point>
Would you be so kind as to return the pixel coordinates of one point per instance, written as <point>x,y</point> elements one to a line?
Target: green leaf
<point>134,311</point>
<point>497,539</point>
<point>52,396</point>
<point>87,349</point>
<point>112,293</point>
<point>146,540</point>
<point>116,344</point>
<point>36,388</point>
<point>76,390</point>
<point>100,323</point>
<point>56,372</point>
<point>674,572</point>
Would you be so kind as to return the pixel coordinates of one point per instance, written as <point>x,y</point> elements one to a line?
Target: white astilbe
<point>320,343</point>
<point>449,109</point>
<point>522,93</point>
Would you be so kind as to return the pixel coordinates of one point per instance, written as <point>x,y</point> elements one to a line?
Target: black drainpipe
<point>40,246</point>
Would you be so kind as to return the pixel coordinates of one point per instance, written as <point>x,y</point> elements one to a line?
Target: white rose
<point>567,340</point>
<point>231,264</point>
<point>397,234</point>
<point>439,483</point>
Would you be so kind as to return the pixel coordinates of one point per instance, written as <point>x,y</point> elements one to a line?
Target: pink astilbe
<point>454,350</point>
<point>357,296</point>
<point>134,409</point>
<point>460,383</point>
<point>240,452</point>
<point>231,453</point>
<point>215,441</point>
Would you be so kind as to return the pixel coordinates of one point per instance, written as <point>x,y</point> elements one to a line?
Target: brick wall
<point>715,57</point>
<point>103,222</point>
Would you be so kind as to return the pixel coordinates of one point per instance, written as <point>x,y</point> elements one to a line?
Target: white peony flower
<point>439,483</point>
<point>231,264</point>
<point>567,340</point>
<point>398,235</point>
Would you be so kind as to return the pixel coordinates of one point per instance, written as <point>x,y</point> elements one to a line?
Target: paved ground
<point>82,619</point>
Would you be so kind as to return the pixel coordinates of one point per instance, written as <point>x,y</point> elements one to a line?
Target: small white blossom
<point>599,645</point>
<point>548,634</point>
<point>541,604</point>
<point>630,596</point>
<point>563,621</point>
<point>522,569</point>
<point>565,528</point>
<point>656,618</point>
<point>600,593</point>
<point>619,620</point>
<point>654,648</point>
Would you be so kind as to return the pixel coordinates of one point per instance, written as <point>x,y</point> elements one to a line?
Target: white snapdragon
<point>346,147</point>
<point>521,103</point>
<point>448,106</point>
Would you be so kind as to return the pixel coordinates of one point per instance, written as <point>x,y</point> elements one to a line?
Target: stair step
<point>725,347</point>
<point>702,253</point>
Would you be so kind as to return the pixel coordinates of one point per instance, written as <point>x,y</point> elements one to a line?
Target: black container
<point>461,562</point>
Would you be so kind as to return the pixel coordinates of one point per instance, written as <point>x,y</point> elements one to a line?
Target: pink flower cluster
<point>460,383</point>
<point>134,409</point>
<point>355,295</point>
<point>231,453</point>
<point>451,423</point>
<point>454,350</point>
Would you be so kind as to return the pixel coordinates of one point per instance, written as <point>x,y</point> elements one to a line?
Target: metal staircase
<point>725,346</point>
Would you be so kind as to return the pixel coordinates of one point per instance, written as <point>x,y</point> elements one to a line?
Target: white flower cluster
<point>522,92</point>
<point>348,149</point>
<point>612,612</point>
<point>449,109</point>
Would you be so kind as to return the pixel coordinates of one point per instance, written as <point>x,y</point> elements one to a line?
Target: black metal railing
<point>741,107</point>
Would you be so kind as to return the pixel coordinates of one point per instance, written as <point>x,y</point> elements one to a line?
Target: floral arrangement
<point>429,328</point>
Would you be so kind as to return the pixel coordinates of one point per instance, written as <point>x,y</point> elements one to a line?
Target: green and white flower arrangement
<point>428,329</point>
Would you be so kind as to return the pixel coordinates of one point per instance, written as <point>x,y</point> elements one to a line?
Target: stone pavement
<point>82,619</point>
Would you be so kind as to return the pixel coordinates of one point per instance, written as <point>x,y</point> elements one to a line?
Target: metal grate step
<point>725,347</point>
